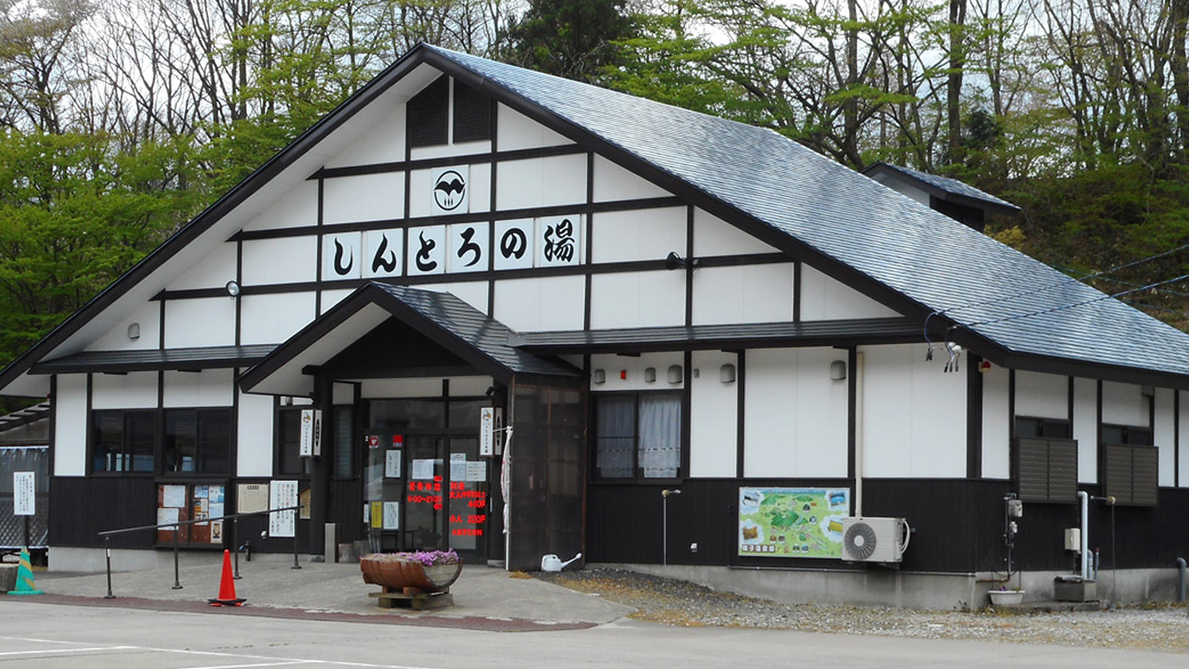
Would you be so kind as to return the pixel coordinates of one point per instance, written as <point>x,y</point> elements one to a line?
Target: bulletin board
<point>180,502</point>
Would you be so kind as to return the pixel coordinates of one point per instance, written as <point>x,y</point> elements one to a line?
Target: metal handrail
<point>176,525</point>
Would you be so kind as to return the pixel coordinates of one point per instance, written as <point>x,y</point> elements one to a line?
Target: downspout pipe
<point>1084,499</point>
<point>1181,580</point>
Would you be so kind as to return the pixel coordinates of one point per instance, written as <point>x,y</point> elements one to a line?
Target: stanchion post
<point>235,545</point>
<point>177,583</point>
<point>295,565</point>
<point>107,549</point>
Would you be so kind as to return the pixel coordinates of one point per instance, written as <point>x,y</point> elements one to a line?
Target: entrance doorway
<point>446,495</point>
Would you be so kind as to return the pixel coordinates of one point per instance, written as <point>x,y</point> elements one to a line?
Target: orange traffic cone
<point>227,586</point>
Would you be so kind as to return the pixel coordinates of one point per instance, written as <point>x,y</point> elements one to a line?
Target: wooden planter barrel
<point>399,574</point>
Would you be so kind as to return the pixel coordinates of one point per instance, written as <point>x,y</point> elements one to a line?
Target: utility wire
<point>1050,310</point>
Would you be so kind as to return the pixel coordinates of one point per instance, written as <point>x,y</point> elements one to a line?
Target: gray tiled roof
<point>944,184</point>
<point>476,329</point>
<point>206,357</point>
<point>845,217</point>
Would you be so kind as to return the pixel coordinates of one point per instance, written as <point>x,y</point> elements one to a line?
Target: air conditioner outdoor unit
<point>874,539</point>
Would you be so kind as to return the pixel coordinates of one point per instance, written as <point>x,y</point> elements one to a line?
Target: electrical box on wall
<point>1073,539</point>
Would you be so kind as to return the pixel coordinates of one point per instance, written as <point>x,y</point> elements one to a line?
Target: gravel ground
<point>673,602</point>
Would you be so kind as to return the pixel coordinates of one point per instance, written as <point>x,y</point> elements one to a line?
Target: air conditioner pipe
<point>1084,499</point>
<point>1181,580</point>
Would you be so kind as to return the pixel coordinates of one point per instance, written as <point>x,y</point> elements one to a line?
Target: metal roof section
<point>455,325</point>
<point>1010,307</point>
<point>939,186</point>
<point>726,336</point>
<point>118,362</point>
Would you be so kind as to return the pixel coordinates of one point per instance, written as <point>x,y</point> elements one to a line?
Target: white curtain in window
<point>660,435</point>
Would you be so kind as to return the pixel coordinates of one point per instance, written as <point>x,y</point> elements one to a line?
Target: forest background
<point>122,119</point>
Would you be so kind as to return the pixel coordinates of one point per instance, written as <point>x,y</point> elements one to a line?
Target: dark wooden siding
<point>957,526</point>
<point>81,507</point>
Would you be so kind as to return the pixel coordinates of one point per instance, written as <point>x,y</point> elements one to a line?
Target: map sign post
<point>792,522</point>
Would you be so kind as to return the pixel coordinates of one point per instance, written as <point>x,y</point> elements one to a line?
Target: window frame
<point>202,446</point>
<point>280,444</point>
<point>637,477</point>
<point>94,441</point>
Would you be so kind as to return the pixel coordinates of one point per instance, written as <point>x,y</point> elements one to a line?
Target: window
<point>197,441</point>
<point>344,454</point>
<point>1130,465</point>
<point>638,435</point>
<point>288,458</point>
<point>122,441</point>
<point>1045,428</point>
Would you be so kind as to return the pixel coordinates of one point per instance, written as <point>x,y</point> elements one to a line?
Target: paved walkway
<point>484,597</point>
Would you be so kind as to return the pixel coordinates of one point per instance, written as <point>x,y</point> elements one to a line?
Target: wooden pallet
<point>417,600</point>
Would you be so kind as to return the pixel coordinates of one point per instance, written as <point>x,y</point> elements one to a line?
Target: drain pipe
<point>858,372</point>
<point>1084,498</point>
<point>1181,579</point>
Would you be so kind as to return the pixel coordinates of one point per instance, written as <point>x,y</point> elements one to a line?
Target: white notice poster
<point>476,470</point>
<point>282,494</point>
<point>458,466</point>
<point>422,470</point>
<point>23,493</point>
<point>392,464</point>
<point>174,496</point>
<point>392,515</point>
<point>167,516</point>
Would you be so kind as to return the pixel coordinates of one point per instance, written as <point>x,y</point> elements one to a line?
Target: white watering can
<point>553,563</point>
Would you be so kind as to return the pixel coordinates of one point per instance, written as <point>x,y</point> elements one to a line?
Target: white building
<point>654,300</point>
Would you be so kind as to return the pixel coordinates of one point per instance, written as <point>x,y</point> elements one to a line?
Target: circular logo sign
<point>448,190</point>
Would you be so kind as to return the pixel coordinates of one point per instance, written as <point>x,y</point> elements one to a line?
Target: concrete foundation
<point>905,589</point>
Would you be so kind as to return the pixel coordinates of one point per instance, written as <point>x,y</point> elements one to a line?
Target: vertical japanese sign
<point>282,494</point>
<point>24,493</point>
<point>311,433</point>
<point>487,431</point>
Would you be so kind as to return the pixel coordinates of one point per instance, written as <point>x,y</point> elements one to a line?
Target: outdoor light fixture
<point>134,331</point>
<point>838,370</point>
<point>726,373</point>
<point>650,374</point>
<point>599,377</point>
<point>675,374</point>
<point>674,261</point>
<point>232,289</point>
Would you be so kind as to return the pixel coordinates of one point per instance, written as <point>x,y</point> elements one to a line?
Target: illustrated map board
<point>792,522</point>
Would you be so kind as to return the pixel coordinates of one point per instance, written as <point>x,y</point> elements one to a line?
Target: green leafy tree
<point>575,39</point>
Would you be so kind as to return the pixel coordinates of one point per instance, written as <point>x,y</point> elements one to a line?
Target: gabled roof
<point>1006,306</point>
<point>943,188</point>
<point>453,324</point>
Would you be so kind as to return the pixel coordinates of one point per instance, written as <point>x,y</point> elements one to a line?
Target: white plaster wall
<point>637,299</point>
<point>1042,395</point>
<point>517,131</point>
<point>271,319</point>
<point>473,293</point>
<point>134,390</point>
<point>478,182</point>
<point>743,294</point>
<point>912,192</point>
<point>715,237</point>
<point>333,297</point>
<point>533,305</point>
<point>384,142</point>
<point>148,316</point>
<point>1183,438</point>
<point>70,425</point>
<point>208,388</point>
<point>1085,428</point>
<point>296,209</point>
<point>647,234</point>
<point>448,150</point>
<point>613,182</point>
<point>363,197</point>
<point>625,372</point>
<point>254,436</point>
<point>823,298</point>
<point>541,182</point>
<point>914,415</point>
<point>714,408</point>
<point>215,270</point>
<point>996,423</point>
<point>795,415</point>
<point>1124,404</point>
<point>1164,435</point>
<point>207,321</point>
<point>277,261</point>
